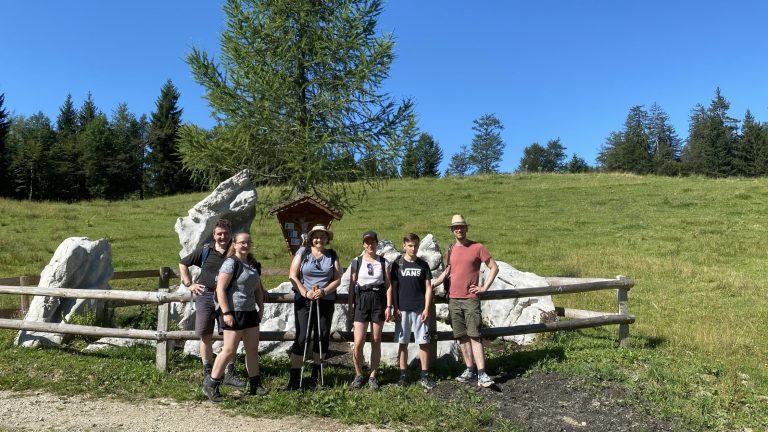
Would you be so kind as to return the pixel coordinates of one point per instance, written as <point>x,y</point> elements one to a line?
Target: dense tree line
<point>715,147</point>
<point>86,155</point>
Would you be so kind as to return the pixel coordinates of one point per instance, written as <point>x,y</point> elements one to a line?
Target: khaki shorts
<point>465,317</point>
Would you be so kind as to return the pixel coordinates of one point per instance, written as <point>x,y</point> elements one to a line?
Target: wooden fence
<point>577,318</point>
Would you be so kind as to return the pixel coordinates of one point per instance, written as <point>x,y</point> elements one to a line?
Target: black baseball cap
<point>370,234</point>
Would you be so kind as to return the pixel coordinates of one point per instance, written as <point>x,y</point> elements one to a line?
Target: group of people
<point>229,291</point>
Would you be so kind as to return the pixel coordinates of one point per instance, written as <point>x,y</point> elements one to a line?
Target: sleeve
<point>193,259</point>
<point>393,271</point>
<point>228,266</point>
<point>427,270</point>
<point>484,254</point>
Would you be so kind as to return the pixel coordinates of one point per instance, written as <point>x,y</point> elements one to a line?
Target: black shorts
<point>370,306</point>
<point>243,320</point>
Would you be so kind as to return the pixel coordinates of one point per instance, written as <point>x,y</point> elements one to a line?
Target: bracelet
<point>227,313</point>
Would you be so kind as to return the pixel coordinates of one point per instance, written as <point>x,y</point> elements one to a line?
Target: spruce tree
<point>487,145</point>
<point>164,172</point>
<point>88,112</point>
<point>295,89</point>
<point>577,165</point>
<point>712,137</point>
<point>31,139</point>
<point>751,151</point>
<point>129,136</point>
<point>429,155</point>
<point>460,164</point>
<point>5,154</point>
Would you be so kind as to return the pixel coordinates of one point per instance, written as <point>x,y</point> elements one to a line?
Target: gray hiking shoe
<point>231,379</point>
<point>211,389</point>
<point>467,376</point>
<point>483,380</point>
<point>427,383</point>
<point>357,382</point>
<point>373,384</point>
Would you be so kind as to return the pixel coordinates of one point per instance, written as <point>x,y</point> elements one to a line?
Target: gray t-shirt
<point>242,292</point>
<point>317,271</point>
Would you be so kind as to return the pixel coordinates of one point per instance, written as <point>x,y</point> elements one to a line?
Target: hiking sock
<point>207,368</point>
<point>473,369</point>
<point>480,372</point>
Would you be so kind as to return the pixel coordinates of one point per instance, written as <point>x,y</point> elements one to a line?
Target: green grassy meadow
<point>694,247</point>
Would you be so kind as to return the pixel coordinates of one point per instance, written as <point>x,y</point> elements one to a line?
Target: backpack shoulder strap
<point>448,262</point>
<point>206,252</point>
<point>356,264</point>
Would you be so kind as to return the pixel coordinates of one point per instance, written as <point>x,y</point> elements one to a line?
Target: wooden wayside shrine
<point>298,216</point>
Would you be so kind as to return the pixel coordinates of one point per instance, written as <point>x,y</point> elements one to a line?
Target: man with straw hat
<point>463,269</point>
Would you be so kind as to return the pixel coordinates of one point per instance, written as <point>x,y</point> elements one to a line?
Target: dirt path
<point>36,411</point>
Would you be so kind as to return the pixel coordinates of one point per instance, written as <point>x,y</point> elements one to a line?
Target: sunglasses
<point>370,269</point>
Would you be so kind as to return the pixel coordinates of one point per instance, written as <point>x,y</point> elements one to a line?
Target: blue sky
<point>547,69</point>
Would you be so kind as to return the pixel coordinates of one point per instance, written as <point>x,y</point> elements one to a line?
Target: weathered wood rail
<point>577,318</point>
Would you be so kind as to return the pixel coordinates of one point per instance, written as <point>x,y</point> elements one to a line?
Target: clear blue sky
<point>569,69</point>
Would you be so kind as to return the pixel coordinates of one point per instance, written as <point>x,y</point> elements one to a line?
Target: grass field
<point>694,247</point>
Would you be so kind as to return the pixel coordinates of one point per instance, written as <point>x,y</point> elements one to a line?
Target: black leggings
<point>301,316</point>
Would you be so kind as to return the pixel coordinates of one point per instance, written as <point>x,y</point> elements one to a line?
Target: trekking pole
<point>306,340</point>
<point>320,343</point>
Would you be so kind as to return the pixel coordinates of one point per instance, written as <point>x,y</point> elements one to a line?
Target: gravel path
<point>38,411</point>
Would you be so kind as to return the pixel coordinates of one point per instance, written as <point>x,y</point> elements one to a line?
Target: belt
<point>369,288</point>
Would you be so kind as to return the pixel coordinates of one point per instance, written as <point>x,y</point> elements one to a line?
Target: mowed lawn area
<point>695,248</point>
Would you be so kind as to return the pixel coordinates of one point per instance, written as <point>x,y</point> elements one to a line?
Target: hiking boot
<point>403,381</point>
<point>294,382</point>
<point>254,386</point>
<point>357,382</point>
<point>231,379</point>
<point>427,383</point>
<point>211,389</point>
<point>483,380</point>
<point>467,376</point>
<point>373,384</point>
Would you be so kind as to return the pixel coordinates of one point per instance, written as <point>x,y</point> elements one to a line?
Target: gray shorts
<point>466,317</point>
<point>411,322</point>
<point>205,314</point>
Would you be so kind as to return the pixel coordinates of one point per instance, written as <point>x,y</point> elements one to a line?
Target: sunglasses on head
<point>370,269</point>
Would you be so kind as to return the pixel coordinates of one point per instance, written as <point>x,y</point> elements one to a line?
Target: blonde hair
<point>250,259</point>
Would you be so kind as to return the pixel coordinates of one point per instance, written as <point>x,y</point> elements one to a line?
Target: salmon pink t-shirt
<point>465,268</point>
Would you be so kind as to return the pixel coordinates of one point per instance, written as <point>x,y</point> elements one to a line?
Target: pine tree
<point>409,165</point>
<point>5,154</point>
<point>712,139</point>
<point>296,87</point>
<point>629,150</point>
<point>30,140</point>
<point>487,145</point>
<point>88,112</point>
<point>460,164</point>
<point>664,143</point>
<point>164,172</point>
<point>126,168</point>
<point>577,165</point>
<point>533,159</point>
<point>430,156</point>
<point>751,150</point>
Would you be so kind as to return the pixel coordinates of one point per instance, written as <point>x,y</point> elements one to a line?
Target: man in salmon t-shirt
<point>463,268</point>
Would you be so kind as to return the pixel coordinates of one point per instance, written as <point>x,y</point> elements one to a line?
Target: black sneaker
<point>403,381</point>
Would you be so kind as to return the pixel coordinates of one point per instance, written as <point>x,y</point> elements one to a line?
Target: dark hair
<point>411,237</point>
<point>223,224</point>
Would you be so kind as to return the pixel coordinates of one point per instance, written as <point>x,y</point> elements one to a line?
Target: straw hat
<point>322,228</point>
<point>458,220</point>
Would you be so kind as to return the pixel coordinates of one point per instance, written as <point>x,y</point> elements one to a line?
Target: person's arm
<point>186,278</point>
<point>395,288</point>
<point>351,292</point>
<point>261,294</point>
<point>493,270</point>
<point>221,295</point>
<point>427,300</point>
<point>293,275</point>
<point>389,313</point>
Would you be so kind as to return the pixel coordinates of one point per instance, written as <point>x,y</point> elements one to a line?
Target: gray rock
<point>112,342</point>
<point>78,263</point>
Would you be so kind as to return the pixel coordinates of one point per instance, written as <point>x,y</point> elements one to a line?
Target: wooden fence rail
<point>556,286</point>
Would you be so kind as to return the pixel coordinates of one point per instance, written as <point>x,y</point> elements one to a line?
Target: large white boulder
<point>77,263</point>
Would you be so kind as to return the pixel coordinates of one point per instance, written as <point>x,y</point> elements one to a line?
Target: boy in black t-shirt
<point>412,287</point>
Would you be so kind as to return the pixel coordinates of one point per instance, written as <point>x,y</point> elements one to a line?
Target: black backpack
<point>357,263</point>
<point>447,280</point>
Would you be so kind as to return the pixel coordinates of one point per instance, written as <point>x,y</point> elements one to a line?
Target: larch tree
<point>296,94</point>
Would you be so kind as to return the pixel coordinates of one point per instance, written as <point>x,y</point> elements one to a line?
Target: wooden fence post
<point>622,295</point>
<point>163,346</point>
<point>24,281</point>
<point>432,323</point>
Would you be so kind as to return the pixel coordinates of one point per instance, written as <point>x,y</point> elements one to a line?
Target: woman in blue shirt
<point>315,274</point>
